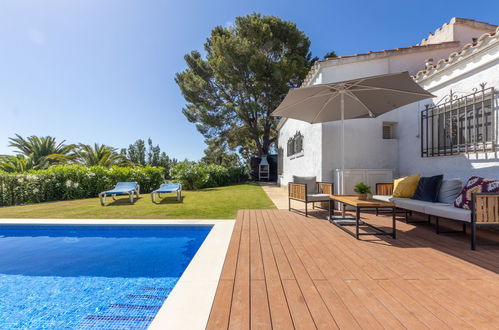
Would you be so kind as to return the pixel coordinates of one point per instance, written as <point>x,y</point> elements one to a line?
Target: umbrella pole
<point>342,131</point>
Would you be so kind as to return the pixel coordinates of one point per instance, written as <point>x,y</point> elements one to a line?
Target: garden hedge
<point>72,182</point>
<point>199,175</point>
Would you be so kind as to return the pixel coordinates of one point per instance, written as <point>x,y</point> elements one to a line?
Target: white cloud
<point>229,24</point>
<point>37,37</point>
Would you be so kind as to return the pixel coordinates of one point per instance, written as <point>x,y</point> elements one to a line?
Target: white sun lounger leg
<point>131,197</point>
<point>102,198</point>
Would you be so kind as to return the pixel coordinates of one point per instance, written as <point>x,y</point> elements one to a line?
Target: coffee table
<point>358,205</point>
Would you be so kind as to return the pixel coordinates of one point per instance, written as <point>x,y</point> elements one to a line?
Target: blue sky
<point>102,71</point>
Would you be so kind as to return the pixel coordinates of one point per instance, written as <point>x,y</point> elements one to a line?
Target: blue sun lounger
<point>167,188</point>
<point>121,188</point>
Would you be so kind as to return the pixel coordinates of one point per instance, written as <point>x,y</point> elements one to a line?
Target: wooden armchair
<point>300,192</point>
<point>484,212</point>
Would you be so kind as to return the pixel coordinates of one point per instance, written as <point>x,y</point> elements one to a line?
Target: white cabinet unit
<point>345,180</point>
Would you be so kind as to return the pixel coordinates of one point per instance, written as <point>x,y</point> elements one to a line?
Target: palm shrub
<point>72,182</point>
<point>98,155</point>
<point>43,151</point>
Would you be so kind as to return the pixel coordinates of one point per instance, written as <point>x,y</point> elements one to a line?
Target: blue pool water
<point>90,277</point>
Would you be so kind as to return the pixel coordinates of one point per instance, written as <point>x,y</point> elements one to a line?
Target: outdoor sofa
<point>307,190</point>
<point>121,188</point>
<point>167,188</point>
<point>484,207</point>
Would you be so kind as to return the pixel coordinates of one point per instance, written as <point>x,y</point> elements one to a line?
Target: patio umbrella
<point>366,97</point>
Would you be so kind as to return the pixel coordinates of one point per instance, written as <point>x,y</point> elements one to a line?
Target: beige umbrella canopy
<point>362,98</point>
<point>359,98</point>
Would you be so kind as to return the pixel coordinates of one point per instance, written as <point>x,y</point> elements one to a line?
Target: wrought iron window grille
<point>295,144</point>
<point>460,124</point>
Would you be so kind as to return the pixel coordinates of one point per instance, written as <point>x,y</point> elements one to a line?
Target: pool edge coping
<point>188,305</point>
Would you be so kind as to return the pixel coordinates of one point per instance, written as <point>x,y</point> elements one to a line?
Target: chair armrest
<point>297,191</point>
<point>325,188</point>
<point>384,188</point>
<point>485,208</point>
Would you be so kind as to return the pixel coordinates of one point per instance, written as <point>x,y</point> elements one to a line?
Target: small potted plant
<point>362,190</point>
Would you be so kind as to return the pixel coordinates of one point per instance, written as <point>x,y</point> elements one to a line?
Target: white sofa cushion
<point>448,211</point>
<point>317,197</point>
<point>449,190</point>
<point>410,204</point>
<point>383,198</point>
<point>436,209</point>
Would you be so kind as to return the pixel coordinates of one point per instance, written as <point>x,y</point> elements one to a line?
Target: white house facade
<point>459,56</point>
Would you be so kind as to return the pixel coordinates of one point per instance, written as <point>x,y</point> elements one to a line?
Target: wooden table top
<point>354,200</point>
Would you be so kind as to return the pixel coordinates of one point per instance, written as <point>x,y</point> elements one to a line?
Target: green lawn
<point>211,203</point>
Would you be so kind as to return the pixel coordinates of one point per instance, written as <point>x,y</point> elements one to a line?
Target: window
<point>295,144</point>
<point>389,130</point>
<point>280,161</point>
<point>291,147</point>
<point>460,125</point>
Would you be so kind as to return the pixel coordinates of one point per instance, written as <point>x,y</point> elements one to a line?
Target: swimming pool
<point>86,276</point>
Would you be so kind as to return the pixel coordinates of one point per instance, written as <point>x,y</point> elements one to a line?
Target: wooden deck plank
<point>220,311</point>
<point>260,311</point>
<point>313,299</point>
<point>241,307</point>
<point>256,262</point>
<point>286,271</point>
<point>302,319</point>
<point>280,315</point>
<point>230,264</point>
<point>365,305</point>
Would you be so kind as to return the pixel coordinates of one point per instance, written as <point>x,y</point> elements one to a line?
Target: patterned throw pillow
<point>475,184</point>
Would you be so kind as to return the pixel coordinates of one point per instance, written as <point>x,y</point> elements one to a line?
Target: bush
<point>199,175</point>
<point>190,175</point>
<point>72,182</point>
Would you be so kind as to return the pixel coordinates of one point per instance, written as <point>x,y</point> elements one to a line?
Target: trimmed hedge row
<point>72,182</point>
<point>194,175</point>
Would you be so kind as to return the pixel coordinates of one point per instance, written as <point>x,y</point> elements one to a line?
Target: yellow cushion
<point>406,187</point>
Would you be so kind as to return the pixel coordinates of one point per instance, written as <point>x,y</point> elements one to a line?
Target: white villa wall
<point>461,77</point>
<point>463,30</point>
<point>365,148</point>
<point>322,154</point>
<point>309,162</point>
<point>410,61</point>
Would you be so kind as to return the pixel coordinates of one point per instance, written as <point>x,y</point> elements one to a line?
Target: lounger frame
<point>130,193</point>
<point>178,191</point>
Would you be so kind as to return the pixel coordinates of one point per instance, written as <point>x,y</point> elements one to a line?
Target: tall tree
<point>153,153</point>
<point>136,152</point>
<point>219,153</point>
<point>43,151</point>
<point>331,54</point>
<point>248,70</point>
<point>98,154</point>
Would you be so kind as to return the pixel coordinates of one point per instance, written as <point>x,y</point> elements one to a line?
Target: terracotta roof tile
<point>456,56</point>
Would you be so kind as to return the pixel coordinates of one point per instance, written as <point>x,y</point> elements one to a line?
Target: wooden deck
<point>286,271</point>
